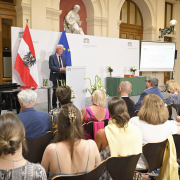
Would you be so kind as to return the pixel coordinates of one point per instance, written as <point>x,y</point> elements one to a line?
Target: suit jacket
<point>54,66</point>
<point>36,124</point>
<point>153,90</point>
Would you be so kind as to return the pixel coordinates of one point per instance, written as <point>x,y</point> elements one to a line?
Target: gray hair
<point>59,45</point>
<point>27,96</point>
<point>154,81</point>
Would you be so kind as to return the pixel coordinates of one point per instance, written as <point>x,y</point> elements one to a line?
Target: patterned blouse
<point>174,99</point>
<point>29,171</point>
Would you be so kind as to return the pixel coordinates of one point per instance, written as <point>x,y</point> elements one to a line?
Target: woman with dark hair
<point>70,153</point>
<point>120,137</point>
<point>63,94</point>
<point>153,123</point>
<point>13,166</point>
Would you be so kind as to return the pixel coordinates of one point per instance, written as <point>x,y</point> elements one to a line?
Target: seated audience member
<point>151,88</point>
<point>13,166</point>
<point>120,137</point>
<point>63,94</point>
<point>36,124</point>
<point>174,88</point>
<point>70,153</point>
<point>125,88</point>
<point>96,112</point>
<point>152,120</point>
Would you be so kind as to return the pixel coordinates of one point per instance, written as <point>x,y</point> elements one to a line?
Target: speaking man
<point>57,64</point>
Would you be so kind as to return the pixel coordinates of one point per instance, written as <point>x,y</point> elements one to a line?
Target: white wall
<point>96,55</point>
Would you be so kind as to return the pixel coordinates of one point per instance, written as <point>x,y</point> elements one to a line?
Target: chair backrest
<point>176,106</point>
<point>37,146</point>
<point>89,128</point>
<point>94,174</point>
<point>122,167</point>
<point>177,144</point>
<point>154,152</point>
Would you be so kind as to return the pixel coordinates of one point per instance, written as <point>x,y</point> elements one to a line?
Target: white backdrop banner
<point>93,52</point>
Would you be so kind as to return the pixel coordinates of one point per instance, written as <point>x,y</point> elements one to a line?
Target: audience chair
<point>94,174</point>
<point>89,128</point>
<point>122,168</point>
<point>176,106</point>
<point>153,153</point>
<point>177,144</point>
<point>36,147</point>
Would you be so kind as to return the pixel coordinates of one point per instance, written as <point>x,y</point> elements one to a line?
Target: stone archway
<point>148,15</point>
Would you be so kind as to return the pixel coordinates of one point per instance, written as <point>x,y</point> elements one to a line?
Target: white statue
<point>72,21</point>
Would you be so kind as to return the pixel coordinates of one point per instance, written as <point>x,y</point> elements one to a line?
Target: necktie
<point>60,61</point>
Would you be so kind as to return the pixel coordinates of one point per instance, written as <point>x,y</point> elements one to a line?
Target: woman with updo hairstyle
<point>153,122</point>
<point>120,137</point>
<point>70,153</point>
<point>13,166</point>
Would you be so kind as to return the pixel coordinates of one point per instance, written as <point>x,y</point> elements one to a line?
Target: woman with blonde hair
<point>96,112</point>
<point>70,153</point>
<point>174,89</point>
<point>13,166</point>
<point>152,120</point>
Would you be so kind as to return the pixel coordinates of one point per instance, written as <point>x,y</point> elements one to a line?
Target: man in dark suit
<point>36,124</point>
<point>151,88</point>
<point>57,65</point>
<point>125,88</point>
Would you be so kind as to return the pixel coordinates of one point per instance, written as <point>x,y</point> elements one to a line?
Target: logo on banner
<point>68,69</point>
<point>130,44</point>
<point>21,34</point>
<point>29,60</point>
<point>86,40</point>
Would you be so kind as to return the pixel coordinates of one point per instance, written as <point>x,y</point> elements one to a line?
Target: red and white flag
<point>26,61</point>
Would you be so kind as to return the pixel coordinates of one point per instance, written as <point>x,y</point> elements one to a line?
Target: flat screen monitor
<point>157,56</point>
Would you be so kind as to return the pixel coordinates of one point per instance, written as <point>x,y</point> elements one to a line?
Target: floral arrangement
<point>73,96</point>
<point>97,85</point>
<point>110,70</point>
<point>133,69</point>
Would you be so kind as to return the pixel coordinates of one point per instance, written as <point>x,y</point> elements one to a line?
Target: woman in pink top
<point>96,112</point>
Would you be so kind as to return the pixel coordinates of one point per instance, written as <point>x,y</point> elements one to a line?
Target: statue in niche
<point>72,21</point>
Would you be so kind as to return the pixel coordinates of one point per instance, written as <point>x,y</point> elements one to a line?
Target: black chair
<point>176,106</point>
<point>122,168</point>
<point>153,153</point>
<point>36,147</point>
<point>92,175</point>
<point>89,128</point>
<point>177,144</point>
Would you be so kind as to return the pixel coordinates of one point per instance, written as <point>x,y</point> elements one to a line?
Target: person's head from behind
<point>173,86</point>
<point>118,111</point>
<point>63,93</point>
<point>69,126</point>
<point>152,81</point>
<point>27,98</point>
<point>153,110</point>
<point>99,98</point>
<point>125,88</point>
<point>12,134</point>
<point>59,49</point>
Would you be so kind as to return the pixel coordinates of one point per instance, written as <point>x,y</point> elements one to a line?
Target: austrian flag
<point>26,64</point>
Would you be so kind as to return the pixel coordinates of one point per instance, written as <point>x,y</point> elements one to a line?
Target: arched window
<point>131,26</point>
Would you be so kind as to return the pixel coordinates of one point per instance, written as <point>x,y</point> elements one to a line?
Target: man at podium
<point>57,66</point>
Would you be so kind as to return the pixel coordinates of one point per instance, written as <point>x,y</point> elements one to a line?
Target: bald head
<point>125,87</point>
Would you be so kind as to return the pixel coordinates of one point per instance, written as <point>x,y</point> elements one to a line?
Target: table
<point>138,85</point>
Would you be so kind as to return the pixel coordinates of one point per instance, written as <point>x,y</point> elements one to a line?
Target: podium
<point>76,78</point>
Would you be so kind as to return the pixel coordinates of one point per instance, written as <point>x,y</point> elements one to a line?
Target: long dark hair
<point>118,110</point>
<point>69,126</point>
